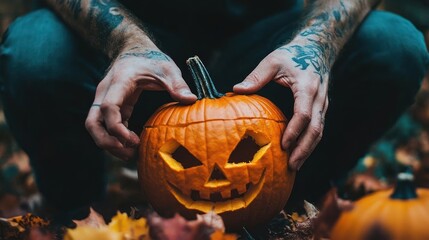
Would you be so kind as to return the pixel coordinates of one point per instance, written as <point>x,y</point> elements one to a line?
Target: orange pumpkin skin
<point>210,130</point>
<point>401,219</point>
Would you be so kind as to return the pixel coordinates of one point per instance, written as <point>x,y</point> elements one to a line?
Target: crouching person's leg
<point>373,82</point>
<point>49,78</point>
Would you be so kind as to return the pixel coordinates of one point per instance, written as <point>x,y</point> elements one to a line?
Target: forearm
<point>107,25</point>
<point>327,27</point>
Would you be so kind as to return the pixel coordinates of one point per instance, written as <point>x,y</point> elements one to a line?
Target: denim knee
<point>40,54</point>
<point>393,47</point>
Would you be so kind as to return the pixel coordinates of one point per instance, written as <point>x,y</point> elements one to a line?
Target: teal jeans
<point>49,76</point>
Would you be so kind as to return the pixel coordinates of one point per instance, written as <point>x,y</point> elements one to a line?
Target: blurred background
<point>406,145</point>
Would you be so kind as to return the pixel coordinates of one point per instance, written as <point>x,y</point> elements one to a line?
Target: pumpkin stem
<point>203,82</point>
<point>405,188</point>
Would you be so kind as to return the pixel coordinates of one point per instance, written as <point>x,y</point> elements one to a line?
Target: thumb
<point>258,78</point>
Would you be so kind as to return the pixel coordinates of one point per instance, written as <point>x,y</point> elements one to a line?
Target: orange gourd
<point>399,215</point>
<point>222,153</point>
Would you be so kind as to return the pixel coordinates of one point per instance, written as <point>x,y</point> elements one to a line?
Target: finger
<point>178,89</point>
<point>311,136</point>
<point>259,77</point>
<point>95,127</point>
<point>123,153</point>
<point>303,109</point>
<point>112,115</point>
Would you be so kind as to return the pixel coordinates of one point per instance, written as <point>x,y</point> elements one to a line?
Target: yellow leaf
<point>91,233</point>
<point>121,227</point>
<point>130,228</point>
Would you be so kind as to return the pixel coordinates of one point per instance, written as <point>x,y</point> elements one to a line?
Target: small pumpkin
<point>398,214</point>
<point>221,154</point>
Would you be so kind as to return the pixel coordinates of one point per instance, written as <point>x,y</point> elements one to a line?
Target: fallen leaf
<point>331,209</point>
<point>206,226</point>
<point>39,234</point>
<point>177,228</point>
<point>361,184</point>
<point>91,233</point>
<point>121,227</point>
<point>213,220</point>
<point>94,220</point>
<point>28,227</point>
<point>130,228</point>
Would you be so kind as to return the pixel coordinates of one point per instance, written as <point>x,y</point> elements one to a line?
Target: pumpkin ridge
<point>213,120</point>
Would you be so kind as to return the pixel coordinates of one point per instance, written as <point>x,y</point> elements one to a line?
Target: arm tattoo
<point>326,31</point>
<point>104,16</point>
<point>105,23</point>
<point>150,54</point>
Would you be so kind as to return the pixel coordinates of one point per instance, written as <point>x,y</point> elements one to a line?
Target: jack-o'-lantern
<point>401,213</point>
<point>221,154</point>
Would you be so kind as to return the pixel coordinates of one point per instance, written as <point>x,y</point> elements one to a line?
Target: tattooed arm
<point>304,65</point>
<point>137,65</point>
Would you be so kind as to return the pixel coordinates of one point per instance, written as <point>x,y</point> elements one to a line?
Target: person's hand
<point>298,67</point>
<point>117,93</point>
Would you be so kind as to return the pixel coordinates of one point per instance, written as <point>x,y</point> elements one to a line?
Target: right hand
<point>116,95</point>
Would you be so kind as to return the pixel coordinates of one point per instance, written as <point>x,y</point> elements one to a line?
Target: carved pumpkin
<point>403,214</point>
<point>222,153</point>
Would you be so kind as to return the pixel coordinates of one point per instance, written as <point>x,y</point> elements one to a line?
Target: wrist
<point>132,39</point>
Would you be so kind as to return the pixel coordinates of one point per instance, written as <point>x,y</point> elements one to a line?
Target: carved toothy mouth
<point>216,202</point>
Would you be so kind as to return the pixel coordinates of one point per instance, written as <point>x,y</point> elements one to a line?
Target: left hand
<point>297,67</point>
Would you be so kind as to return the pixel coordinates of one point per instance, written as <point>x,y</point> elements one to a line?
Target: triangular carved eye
<point>185,158</point>
<point>244,151</point>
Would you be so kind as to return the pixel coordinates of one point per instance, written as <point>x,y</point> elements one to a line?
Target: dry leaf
<point>90,233</point>
<point>28,227</point>
<point>213,220</point>
<point>121,227</point>
<point>331,209</point>
<point>39,234</point>
<point>130,228</point>
<point>94,220</point>
<point>28,221</point>
<point>179,228</point>
<point>360,185</point>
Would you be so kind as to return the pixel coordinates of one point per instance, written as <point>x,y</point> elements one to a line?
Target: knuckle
<point>304,152</point>
<point>312,88</point>
<point>304,116</point>
<point>293,133</point>
<point>113,129</point>
<point>274,60</point>
<point>89,124</point>
<point>316,131</point>
<point>105,107</point>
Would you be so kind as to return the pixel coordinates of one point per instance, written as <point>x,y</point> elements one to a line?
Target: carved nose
<point>217,174</point>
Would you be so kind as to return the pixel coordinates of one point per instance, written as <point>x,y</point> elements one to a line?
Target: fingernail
<point>186,92</point>
<point>286,145</point>
<point>243,85</point>
<point>133,140</point>
<point>300,163</point>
